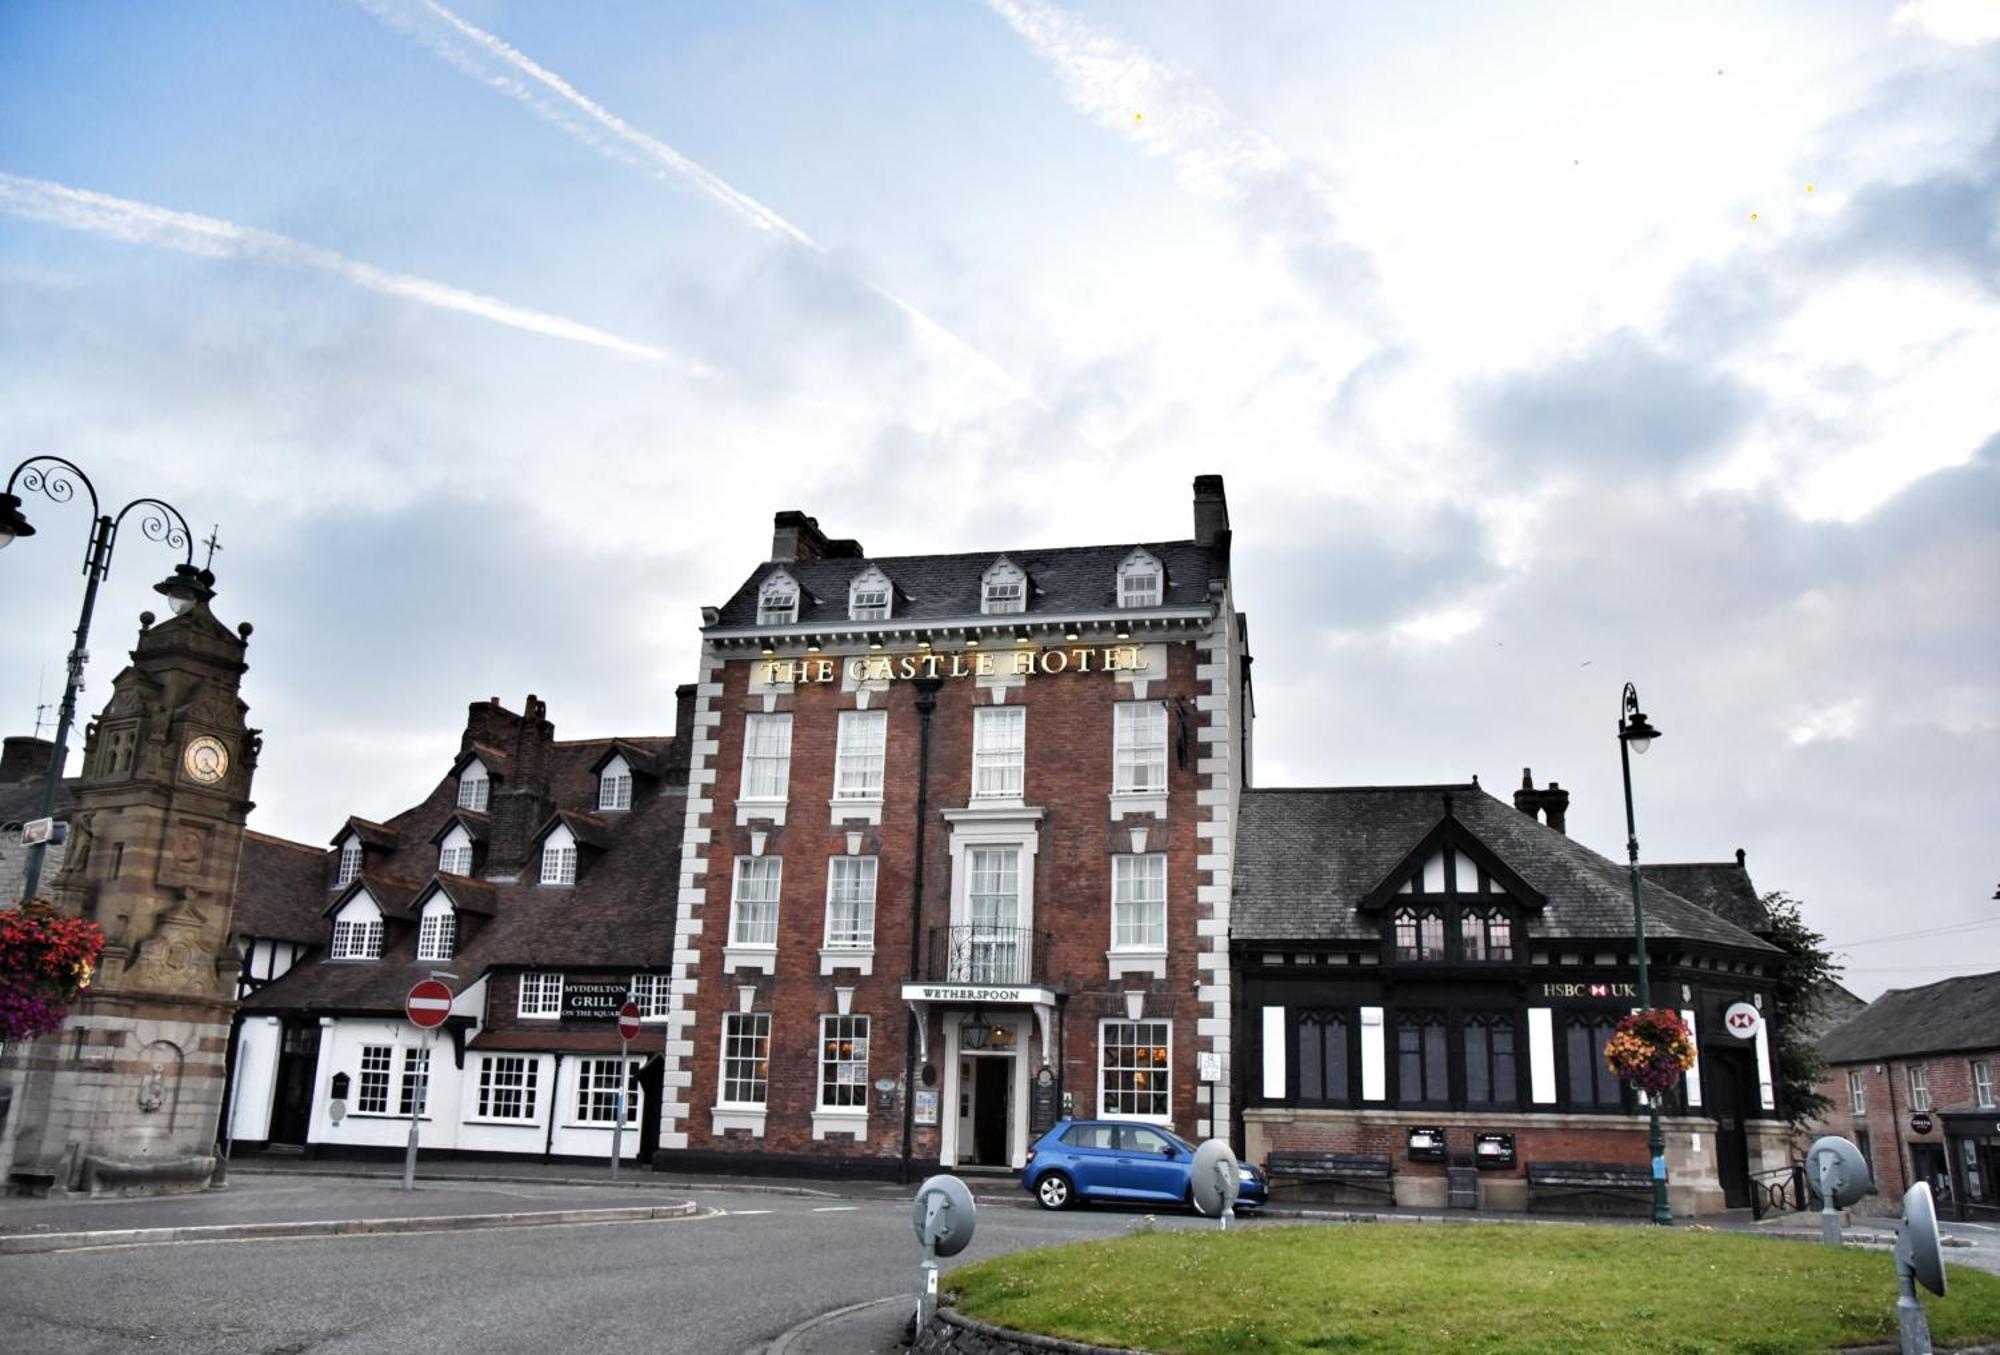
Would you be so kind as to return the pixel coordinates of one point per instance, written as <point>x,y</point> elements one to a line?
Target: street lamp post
<point>56,479</point>
<point>1636,735</point>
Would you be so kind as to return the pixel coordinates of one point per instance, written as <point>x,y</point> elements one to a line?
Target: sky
<point>1543,348</point>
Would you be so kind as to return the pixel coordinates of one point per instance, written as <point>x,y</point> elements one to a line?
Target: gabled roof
<point>497,763</point>
<point>280,890</point>
<point>946,587</point>
<point>587,829</point>
<point>1305,860</point>
<point>647,757</point>
<point>462,891</point>
<point>1450,831</point>
<point>371,834</point>
<point>476,826</point>
<point>1951,1014</point>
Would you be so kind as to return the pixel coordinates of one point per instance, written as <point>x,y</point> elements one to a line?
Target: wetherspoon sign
<point>930,664</point>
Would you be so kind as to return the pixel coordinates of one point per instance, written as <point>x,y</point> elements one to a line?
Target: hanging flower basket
<point>1650,1050</point>
<point>46,959</point>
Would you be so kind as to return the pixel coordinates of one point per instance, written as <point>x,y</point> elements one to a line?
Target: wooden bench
<point>1363,1171</point>
<point>1612,1180</point>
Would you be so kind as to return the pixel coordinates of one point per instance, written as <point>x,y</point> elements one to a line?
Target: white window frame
<point>371,1083</point>
<point>753,936</point>
<point>559,858</point>
<point>767,758</point>
<point>1138,568</point>
<point>999,752</point>
<point>863,744</point>
<point>741,1066</point>
<point>474,787</point>
<point>843,1073</point>
<point>650,991</point>
<point>1131,930</point>
<point>1003,574</point>
<point>539,995</point>
<point>779,586</point>
<point>597,1089</point>
<point>879,594</point>
<point>455,852</point>
<point>1982,1083</point>
<point>509,1077</point>
<point>1857,1092</point>
<point>1133,753</point>
<point>437,931</point>
<point>614,786</point>
<point>413,1092</point>
<point>348,866</point>
<point>1105,1109</point>
<point>1920,1086</point>
<point>859,897</point>
<point>357,931</point>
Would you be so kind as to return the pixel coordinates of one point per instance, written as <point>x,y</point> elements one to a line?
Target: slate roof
<point>618,913</point>
<point>1306,858</point>
<point>280,890</point>
<point>1722,887</point>
<point>1951,1014</point>
<point>946,587</point>
<point>22,800</point>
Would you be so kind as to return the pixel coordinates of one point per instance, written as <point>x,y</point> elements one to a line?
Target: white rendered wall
<point>256,1079</point>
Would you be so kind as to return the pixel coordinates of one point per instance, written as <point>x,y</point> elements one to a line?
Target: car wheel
<point>1054,1192</point>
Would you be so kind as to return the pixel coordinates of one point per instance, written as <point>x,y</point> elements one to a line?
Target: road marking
<point>745,1213</point>
<point>835,1208</point>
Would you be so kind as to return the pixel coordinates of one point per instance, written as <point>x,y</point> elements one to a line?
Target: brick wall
<point>1888,1108</point>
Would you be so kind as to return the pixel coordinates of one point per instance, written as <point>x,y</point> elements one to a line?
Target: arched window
<point>1419,933</point>
<point>1486,934</point>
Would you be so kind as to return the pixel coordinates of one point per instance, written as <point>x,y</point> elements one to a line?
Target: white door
<point>968,1093</point>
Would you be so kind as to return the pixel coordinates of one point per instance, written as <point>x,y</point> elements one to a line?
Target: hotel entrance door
<point>985,1109</point>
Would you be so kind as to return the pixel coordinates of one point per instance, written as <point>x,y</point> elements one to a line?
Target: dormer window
<point>357,931</point>
<point>559,858</point>
<point>614,785</point>
<point>455,853</point>
<point>778,601</point>
<point>350,862</point>
<point>473,786</point>
<point>1004,589</point>
<point>437,935</point>
<point>1141,581</point>
<point>869,597</point>
<point>1451,908</point>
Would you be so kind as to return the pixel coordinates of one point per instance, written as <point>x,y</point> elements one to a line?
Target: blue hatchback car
<point>1118,1160</point>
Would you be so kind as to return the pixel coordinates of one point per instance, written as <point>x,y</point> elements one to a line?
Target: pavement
<point>291,1198</point>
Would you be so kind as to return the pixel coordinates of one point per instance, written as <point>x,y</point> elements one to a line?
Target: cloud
<point>163,228</point>
<point>1963,23</point>
<point>1170,113</point>
<point>1943,223</point>
<point>561,104</point>
<point>1619,406</point>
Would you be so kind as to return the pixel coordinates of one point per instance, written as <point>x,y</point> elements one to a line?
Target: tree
<point>1804,983</point>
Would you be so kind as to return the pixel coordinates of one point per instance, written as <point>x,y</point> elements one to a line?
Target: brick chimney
<point>1211,510</point>
<point>1552,802</point>
<point>23,758</point>
<point>520,798</point>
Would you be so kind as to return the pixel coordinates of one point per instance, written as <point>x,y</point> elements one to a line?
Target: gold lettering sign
<point>1587,990</point>
<point>969,663</point>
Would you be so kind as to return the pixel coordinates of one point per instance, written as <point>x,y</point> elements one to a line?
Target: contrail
<point>1171,113</point>
<point>145,224</point>
<point>560,103</point>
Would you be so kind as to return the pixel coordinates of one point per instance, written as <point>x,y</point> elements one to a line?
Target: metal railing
<point>976,954</point>
<point>1777,1190</point>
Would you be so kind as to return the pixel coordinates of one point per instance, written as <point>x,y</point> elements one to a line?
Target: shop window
<point>1920,1087</point>
<point>507,1086</point>
<point>1321,1039</point>
<point>1490,1077</point>
<point>1134,1070</point>
<point>1423,1076</point>
<point>1592,1084</point>
<point>843,1063</point>
<point>746,1051</point>
<point>597,1090</point>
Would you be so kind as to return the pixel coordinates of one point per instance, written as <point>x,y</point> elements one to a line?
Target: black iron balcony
<point>988,955</point>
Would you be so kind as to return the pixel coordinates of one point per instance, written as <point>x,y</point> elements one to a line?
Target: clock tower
<point>128,1095</point>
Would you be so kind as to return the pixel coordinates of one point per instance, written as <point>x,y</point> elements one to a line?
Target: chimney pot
<point>1211,510</point>
<point>1740,856</point>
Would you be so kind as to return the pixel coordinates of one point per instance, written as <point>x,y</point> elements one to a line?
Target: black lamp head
<point>186,588</point>
<point>12,524</point>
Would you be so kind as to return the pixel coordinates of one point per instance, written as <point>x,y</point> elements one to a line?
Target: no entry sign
<point>628,1021</point>
<point>428,1004</point>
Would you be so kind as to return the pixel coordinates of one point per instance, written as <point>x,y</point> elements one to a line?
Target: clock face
<point>206,760</point>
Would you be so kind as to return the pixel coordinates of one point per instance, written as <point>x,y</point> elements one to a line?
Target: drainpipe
<point>555,1083</point>
<point>927,690</point>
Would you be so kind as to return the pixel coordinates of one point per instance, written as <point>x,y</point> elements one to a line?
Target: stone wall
<point>951,1333</point>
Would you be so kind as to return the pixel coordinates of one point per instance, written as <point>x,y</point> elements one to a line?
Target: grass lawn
<point>1472,1287</point>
